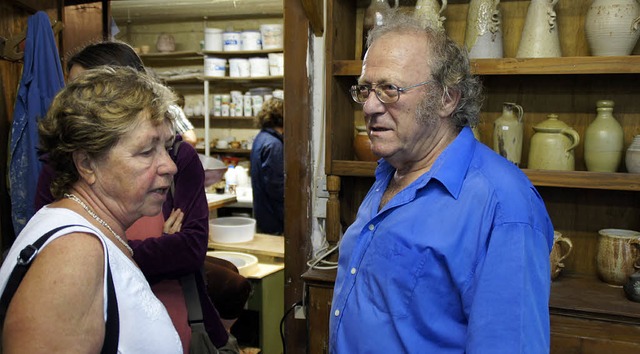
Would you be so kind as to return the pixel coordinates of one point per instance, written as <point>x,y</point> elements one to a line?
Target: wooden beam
<point>314,10</point>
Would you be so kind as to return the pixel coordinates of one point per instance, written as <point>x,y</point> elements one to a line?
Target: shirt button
<point>371,227</point>
<point>353,271</point>
<point>337,313</point>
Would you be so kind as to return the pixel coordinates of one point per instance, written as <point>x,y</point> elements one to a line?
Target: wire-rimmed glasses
<point>386,93</point>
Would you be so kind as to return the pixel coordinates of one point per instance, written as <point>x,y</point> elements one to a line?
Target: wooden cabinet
<point>586,313</point>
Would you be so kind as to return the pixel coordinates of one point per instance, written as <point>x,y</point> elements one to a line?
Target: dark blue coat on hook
<point>41,80</point>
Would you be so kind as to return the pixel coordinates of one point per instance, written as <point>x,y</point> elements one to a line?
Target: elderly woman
<point>107,137</point>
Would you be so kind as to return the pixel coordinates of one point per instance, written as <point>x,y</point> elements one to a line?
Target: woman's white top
<point>145,326</point>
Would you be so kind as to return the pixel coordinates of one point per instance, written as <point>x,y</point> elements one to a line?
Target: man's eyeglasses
<point>386,93</point>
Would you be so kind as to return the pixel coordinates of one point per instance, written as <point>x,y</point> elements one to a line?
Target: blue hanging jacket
<point>41,80</point>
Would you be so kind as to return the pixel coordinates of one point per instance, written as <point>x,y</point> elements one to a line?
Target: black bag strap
<point>26,257</point>
<point>191,298</point>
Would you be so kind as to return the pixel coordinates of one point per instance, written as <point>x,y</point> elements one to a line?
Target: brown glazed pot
<point>561,249</point>
<point>618,255</point>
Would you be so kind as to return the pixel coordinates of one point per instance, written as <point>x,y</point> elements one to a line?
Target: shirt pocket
<point>390,274</point>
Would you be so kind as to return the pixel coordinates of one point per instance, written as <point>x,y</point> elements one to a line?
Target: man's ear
<point>450,101</point>
<point>85,166</point>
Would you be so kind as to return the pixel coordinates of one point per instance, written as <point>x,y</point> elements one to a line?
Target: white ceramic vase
<point>632,156</point>
<point>430,13</point>
<point>539,37</point>
<point>483,37</point>
<point>612,27</point>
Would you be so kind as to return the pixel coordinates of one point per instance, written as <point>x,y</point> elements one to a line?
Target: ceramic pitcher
<point>539,37</point>
<point>508,131</point>
<point>552,145</point>
<point>561,249</point>
<point>483,37</point>
<point>618,255</point>
<point>612,27</point>
<point>429,12</point>
<point>374,15</point>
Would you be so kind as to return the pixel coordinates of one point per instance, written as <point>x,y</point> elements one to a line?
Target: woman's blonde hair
<point>93,112</point>
<point>272,113</point>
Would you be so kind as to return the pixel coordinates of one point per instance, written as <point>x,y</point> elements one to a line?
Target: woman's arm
<point>58,307</point>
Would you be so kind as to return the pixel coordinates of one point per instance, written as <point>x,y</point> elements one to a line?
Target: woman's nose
<point>167,166</point>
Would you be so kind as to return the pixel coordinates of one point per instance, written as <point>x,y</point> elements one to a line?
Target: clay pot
<point>618,255</point>
<point>483,37</point>
<point>612,27</point>
<point>632,156</point>
<point>507,133</point>
<point>552,145</point>
<point>603,140</point>
<point>561,249</point>
<point>362,146</point>
<point>539,37</point>
<point>165,43</point>
<point>429,13</point>
<point>374,15</point>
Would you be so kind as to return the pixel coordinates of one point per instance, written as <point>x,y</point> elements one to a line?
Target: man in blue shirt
<point>449,252</point>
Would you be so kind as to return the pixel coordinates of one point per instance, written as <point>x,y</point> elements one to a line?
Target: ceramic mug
<point>618,255</point>
<point>561,249</point>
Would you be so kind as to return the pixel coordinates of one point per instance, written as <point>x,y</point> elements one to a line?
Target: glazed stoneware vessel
<point>430,13</point>
<point>552,145</point>
<point>618,255</point>
<point>507,133</point>
<point>612,27</point>
<point>603,140</point>
<point>539,38</point>
<point>483,37</point>
<point>562,247</point>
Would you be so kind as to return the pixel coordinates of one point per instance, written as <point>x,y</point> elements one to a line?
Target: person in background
<point>449,251</point>
<point>106,135</point>
<point>183,125</point>
<point>267,169</point>
<point>183,224</point>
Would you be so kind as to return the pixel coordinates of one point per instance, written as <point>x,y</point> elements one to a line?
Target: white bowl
<point>232,229</point>
<point>246,263</point>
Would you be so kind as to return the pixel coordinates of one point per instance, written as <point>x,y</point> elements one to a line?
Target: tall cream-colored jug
<point>612,27</point>
<point>539,37</point>
<point>508,131</point>
<point>552,145</point>
<point>430,13</point>
<point>483,37</point>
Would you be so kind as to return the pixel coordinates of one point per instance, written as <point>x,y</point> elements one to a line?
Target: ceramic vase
<point>362,145</point>
<point>374,15</point>
<point>430,13</point>
<point>165,43</point>
<point>483,36</point>
<point>632,156</point>
<point>618,255</point>
<point>539,37</point>
<point>612,27</point>
<point>507,133</point>
<point>552,145</point>
<point>603,140</point>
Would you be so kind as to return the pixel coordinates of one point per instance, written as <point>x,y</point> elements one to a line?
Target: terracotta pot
<point>362,146</point>
<point>618,255</point>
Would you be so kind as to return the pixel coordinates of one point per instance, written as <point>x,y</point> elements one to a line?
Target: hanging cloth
<point>41,79</point>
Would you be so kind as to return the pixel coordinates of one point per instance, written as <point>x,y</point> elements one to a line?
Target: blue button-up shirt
<point>457,262</point>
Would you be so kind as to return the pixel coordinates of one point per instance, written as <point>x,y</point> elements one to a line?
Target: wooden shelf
<point>241,53</point>
<point>529,66</point>
<point>566,179</point>
<point>588,297</point>
<point>274,79</point>
<point>225,122</point>
<point>183,58</point>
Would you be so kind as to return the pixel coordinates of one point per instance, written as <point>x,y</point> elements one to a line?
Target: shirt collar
<point>450,167</point>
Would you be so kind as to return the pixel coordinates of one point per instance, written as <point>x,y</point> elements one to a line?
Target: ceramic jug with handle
<point>483,37</point>
<point>552,145</point>
<point>430,13</point>
<point>508,131</point>
<point>539,38</point>
<point>612,27</point>
<point>374,15</point>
